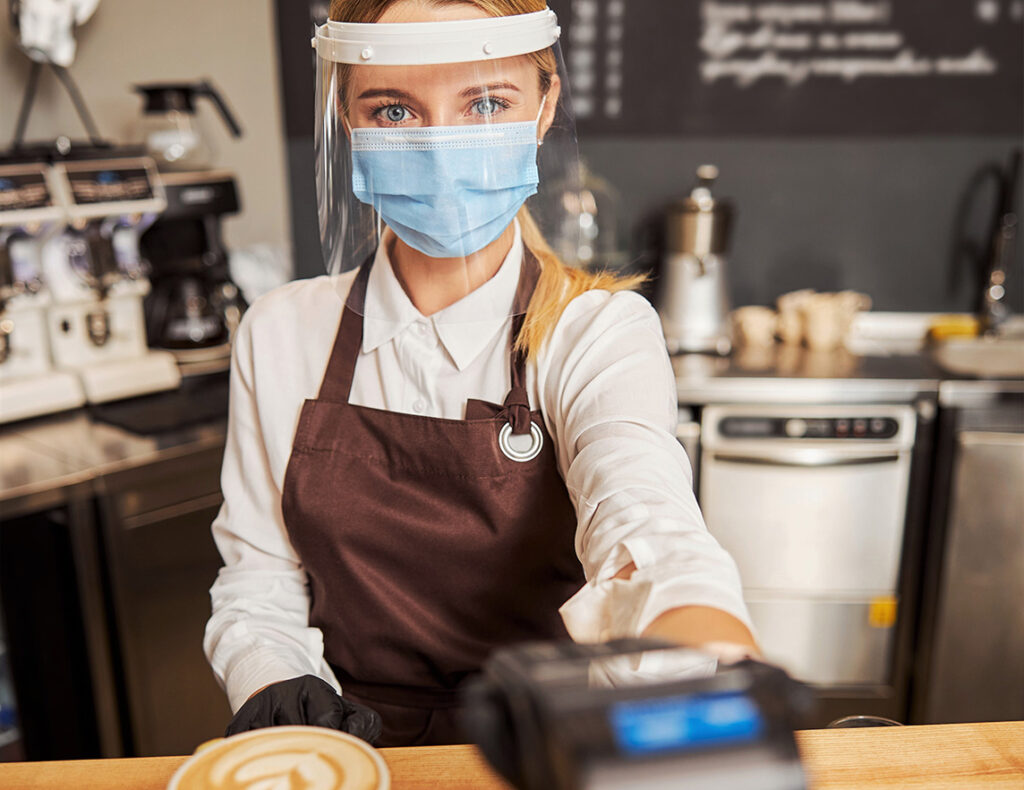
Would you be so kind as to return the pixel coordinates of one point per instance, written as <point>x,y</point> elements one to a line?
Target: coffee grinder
<point>29,386</point>
<point>694,300</point>
<point>98,279</point>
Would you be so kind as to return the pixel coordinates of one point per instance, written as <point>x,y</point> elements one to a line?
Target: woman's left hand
<point>305,700</point>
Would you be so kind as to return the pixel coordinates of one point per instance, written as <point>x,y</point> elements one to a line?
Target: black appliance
<point>564,716</point>
<point>194,306</point>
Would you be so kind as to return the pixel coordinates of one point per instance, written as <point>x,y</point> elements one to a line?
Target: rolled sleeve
<point>610,398</point>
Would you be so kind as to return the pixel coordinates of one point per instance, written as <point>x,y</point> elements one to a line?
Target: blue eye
<point>394,113</point>
<point>487,106</point>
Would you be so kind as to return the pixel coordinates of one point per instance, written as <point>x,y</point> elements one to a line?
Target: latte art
<point>284,758</point>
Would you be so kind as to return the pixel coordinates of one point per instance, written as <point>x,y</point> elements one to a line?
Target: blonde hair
<point>558,284</point>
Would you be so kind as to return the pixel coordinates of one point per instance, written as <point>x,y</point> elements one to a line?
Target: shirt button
<point>421,329</point>
<point>419,406</point>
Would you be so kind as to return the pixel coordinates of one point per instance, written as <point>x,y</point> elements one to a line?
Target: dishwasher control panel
<point>779,427</point>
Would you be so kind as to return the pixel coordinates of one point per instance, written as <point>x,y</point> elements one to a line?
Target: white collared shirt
<point>603,382</point>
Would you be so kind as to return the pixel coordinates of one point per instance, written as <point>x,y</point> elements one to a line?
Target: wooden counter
<point>906,758</point>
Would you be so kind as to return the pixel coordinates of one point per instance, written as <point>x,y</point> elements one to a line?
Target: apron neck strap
<point>517,402</point>
<point>337,382</point>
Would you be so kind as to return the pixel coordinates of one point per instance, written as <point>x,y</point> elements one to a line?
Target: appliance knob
<point>796,428</point>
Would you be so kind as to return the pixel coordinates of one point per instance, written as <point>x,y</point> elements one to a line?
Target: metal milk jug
<point>694,299</point>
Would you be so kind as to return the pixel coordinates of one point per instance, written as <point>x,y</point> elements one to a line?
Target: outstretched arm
<point>652,568</point>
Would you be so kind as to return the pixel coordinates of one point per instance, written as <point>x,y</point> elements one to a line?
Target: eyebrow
<point>496,86</point>
<point>395,93</point>
<point>390,93</point>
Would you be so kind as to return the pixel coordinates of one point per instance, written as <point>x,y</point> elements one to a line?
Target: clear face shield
<point>443,135</point>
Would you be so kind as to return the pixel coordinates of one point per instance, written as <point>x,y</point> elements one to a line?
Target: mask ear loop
<point>379,218</point>
<point>540,140</point>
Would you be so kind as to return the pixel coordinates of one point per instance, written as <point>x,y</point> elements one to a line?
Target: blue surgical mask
<point>447,191</point>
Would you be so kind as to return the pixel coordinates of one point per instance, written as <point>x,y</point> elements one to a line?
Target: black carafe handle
<point>205,88</point>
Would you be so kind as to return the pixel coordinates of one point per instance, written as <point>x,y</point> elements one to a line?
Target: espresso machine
<point>97,277</point>
<point>29,386</point>
<point>694,299</point>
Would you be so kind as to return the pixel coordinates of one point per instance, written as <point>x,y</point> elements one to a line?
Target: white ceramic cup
<point>824,322</point>
<point>790,323</point>
<point>754,326</point>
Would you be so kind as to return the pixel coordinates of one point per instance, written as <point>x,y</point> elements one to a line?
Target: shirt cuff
<point>252,671</point>
<point>620,608</point>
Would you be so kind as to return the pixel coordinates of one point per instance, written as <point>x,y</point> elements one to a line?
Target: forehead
<point>520,71</point>
<point>427,11</point>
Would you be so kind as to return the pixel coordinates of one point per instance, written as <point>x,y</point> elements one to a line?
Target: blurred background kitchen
<point>825,193</point>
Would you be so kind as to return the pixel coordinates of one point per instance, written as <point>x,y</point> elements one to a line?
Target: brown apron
<point>425,545</point>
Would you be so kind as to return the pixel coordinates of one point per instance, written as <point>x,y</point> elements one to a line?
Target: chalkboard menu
<point>763,67</point>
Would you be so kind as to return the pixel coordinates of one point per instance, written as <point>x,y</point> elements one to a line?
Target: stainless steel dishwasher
<point>812,503</point>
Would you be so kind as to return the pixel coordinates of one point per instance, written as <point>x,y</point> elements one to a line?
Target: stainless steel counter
<point>977,393</point>
<point>32,479</point>
<point>784,374</point>
<point>43,460</point>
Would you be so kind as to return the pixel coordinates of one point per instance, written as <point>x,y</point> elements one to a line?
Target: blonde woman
<point>474,445</point>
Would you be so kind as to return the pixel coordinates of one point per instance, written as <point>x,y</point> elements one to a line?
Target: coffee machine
<point>29,213</point>
<point>694,300</point>
<point>98,278</point>
<point>194,307</point>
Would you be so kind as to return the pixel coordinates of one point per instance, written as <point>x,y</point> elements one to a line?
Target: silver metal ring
<point>512,447</point>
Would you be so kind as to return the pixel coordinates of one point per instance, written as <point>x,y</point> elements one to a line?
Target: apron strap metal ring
<point>522,448</point>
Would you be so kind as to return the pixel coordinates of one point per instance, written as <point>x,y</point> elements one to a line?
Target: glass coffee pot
<point>171,130</point>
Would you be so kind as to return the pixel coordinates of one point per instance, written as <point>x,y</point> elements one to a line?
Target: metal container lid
<point>699,224</point>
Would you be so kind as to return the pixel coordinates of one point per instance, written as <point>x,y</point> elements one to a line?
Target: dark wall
<point>875,215</point>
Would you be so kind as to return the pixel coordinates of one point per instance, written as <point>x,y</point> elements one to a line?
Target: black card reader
<point>637,714</point>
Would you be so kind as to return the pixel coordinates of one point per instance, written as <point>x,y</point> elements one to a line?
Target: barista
<point>453,442</point>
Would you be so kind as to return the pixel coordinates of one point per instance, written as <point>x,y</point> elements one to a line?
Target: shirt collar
<point>464,328</point>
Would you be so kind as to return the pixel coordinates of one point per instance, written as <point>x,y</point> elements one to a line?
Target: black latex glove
<point>305,700</point>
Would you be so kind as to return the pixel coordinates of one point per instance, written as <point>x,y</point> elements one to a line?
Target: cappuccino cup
<point>311,758</point>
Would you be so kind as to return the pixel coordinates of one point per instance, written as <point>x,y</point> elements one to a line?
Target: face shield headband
<point>429,43</point>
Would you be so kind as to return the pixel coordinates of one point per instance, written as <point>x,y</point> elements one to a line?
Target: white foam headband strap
<point>426,43</point>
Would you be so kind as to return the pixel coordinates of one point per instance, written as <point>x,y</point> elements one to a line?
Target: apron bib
<point>428,542</point>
